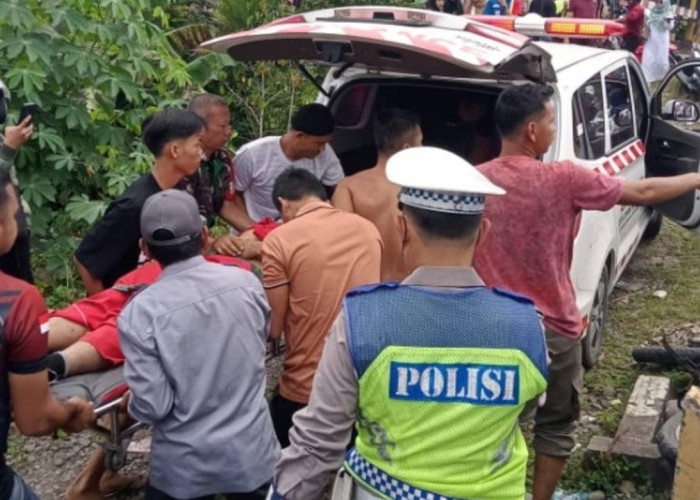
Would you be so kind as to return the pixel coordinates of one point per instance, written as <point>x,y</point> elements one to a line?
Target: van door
<point>408,41</point>
<point>673,144</point>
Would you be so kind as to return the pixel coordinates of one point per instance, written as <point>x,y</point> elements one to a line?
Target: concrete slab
<point>635,437</point>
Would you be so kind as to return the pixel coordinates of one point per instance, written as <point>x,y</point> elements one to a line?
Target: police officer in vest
<point>434,372</point>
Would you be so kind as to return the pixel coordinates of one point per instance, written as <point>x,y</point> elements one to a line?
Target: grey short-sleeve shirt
<point>258,164</point>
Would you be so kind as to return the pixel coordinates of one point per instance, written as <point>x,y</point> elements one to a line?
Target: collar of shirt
<point>444,277</point>
<point>183,265</point>
<point>314,205</point>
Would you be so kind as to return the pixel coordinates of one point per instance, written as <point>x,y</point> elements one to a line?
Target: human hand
<point>82,415</point>
<point>17,135</point>
<point>250,249</point>
<point>227,245</point>
<point>124,403</point>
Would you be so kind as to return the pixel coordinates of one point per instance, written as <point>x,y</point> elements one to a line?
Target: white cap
<point>438,180</point>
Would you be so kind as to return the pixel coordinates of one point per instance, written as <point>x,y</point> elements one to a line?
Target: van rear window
<point>350,106</point>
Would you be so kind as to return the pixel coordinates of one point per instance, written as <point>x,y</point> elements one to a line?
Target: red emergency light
<point>534,25</point>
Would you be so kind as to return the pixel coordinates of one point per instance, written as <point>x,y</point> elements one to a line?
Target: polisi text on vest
<point>479,384</point>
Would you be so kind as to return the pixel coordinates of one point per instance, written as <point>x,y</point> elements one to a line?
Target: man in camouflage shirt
<point>212,186</point>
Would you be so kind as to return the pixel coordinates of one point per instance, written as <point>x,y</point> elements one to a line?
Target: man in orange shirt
<point>370,194</point>
<point>309,263</point>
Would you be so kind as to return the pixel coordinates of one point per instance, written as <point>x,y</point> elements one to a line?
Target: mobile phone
<point>28,109</point>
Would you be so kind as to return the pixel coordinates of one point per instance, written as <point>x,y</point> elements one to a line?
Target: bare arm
<point>235,213</point>
<point>342,199</point>
<point>92,285</point>
<point>657,189</point>
<point>278,297</point>
<point>38,412</point>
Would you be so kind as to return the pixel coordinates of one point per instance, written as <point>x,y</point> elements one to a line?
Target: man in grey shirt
<point>194,343</point>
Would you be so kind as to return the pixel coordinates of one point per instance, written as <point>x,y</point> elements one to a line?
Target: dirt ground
<point>50,464</point>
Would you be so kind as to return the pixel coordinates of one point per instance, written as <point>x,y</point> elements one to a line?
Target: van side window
<point>619,107</point>
<point>589,120</point>
<point>641,110</point>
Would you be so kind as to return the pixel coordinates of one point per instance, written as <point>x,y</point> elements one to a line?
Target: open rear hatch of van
<point>389,39</point>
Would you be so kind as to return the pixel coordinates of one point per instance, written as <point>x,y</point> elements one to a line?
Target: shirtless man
<point>369,193</point>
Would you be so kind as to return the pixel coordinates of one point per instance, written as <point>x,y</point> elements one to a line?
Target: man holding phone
<point>16,262</point>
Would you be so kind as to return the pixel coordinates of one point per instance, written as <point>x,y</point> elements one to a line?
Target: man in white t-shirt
<point>258,163</point>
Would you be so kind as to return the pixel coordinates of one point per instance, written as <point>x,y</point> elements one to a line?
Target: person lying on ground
<point>370,194</point>
<point>110,249</point>
<point>25,396</point>
<point>194,346</point>
<point>83,338</point>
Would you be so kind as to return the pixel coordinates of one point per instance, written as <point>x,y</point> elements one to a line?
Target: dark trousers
<point>16,262</point>
<point>259,494</point>
<point>281,410</point>
<point>631,43</point>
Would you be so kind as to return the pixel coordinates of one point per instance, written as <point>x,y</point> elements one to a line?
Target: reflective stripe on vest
<point>383,483</point>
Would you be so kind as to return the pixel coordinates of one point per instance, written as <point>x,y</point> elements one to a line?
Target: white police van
<point>431,62</point>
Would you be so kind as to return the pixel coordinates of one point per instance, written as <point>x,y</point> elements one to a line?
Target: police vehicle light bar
<point>534,25</point>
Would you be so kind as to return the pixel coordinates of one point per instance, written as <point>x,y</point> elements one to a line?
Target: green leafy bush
<point>96,69</point>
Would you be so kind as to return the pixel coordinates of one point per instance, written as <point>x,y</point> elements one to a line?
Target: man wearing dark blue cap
<point>194,343</point>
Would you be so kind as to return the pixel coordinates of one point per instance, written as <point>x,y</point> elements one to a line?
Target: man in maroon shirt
<point>24,381</point>
<point>634,22</point>
<point>584,9</point>
<point>530,248</point>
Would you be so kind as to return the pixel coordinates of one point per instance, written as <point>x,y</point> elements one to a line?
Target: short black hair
<point>313,119</point>
<point>202,103</point>
<point>516,104</point>
<point>294,184</point>
<point>169,125</point>
<point>166,255</point>
<point>392,127</point>
<point>442,225</point>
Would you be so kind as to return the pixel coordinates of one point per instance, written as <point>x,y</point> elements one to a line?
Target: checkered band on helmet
<point>439,201</point>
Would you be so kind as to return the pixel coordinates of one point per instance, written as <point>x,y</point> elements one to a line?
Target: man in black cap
<point>304,146</point>
<point>194,347</point>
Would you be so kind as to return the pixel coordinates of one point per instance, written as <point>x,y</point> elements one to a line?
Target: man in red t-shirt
<point>24,389</point>
<point>634,22</point>
<point>530,249</point>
